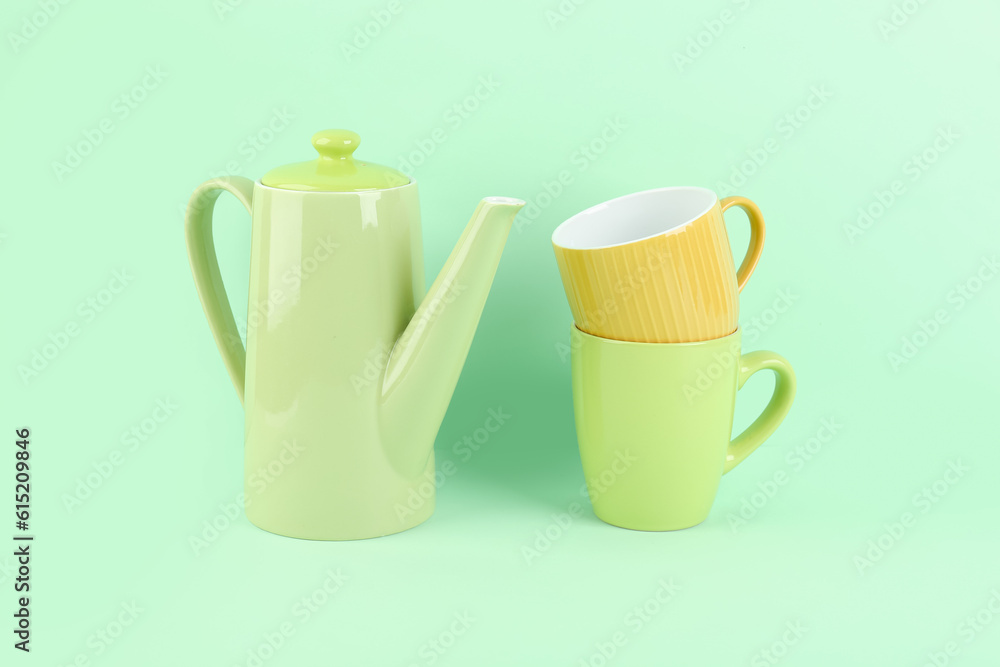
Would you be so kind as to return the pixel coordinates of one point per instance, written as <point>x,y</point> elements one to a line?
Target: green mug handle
<point>205,266</point>
<point>774,412</point>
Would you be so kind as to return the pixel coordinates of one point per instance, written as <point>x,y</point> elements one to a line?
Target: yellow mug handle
<point>756,236</point>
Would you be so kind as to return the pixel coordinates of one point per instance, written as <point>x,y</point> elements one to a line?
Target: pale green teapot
<point>344,379</point>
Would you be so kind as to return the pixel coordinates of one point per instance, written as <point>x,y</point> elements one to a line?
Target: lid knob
<point>336,144</point>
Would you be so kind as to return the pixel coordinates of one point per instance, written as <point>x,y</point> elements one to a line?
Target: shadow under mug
<point>656,266</point>
<point>654,422</point>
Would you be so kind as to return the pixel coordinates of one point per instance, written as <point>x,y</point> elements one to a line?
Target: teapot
<point>349,364</point>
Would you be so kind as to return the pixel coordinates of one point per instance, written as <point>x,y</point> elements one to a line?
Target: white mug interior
<point>634,217</point>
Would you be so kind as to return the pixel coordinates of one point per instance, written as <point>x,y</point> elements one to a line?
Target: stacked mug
<point>656,357</point>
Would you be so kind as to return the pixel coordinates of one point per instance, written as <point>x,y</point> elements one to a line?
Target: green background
<point>604,99</point>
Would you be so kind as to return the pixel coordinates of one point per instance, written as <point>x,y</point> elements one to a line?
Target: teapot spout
<point>425,363</point>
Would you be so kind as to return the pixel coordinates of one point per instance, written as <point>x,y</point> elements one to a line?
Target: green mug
<point>654,422</point>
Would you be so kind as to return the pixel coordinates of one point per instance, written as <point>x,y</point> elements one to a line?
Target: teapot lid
<point>335,170</point>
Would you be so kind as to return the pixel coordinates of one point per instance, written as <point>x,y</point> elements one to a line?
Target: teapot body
<point>334,279</point>
<point>349,366</point>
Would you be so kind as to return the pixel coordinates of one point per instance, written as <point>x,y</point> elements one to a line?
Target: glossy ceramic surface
<point>656,266</point>
<point>654,424</point>
<point>345,382</point>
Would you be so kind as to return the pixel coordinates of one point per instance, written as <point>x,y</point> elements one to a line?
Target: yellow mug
<point>655,266</point>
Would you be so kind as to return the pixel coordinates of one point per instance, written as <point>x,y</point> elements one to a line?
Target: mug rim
<point>690,343</point>
<point>617,202</point>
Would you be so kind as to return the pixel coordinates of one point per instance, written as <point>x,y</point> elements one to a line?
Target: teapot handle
<point>205,266</point>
